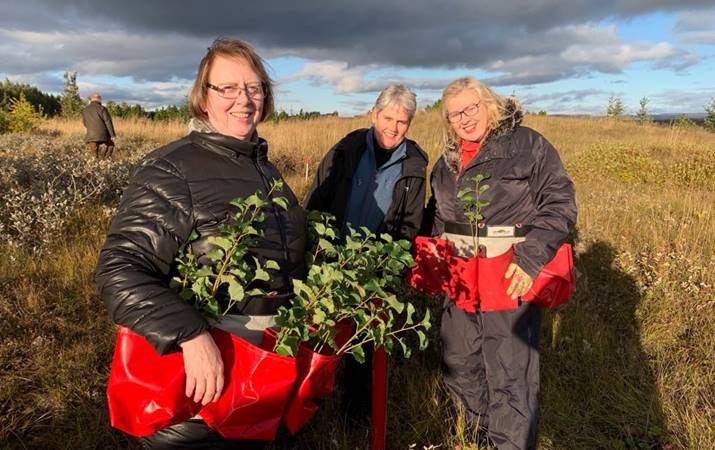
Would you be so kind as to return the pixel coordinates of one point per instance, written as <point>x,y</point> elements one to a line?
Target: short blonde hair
<point>229,48</point>
<point>493,102</point>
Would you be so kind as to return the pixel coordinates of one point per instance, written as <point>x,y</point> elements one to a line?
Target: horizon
<point>562,59</point>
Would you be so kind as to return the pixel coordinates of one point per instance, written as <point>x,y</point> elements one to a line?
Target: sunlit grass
<point>628,363</point>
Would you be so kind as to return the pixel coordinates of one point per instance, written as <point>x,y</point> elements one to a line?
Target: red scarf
<point>469,151</point>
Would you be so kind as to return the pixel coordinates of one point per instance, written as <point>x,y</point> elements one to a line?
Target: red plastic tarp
<point>258,383</point>
<point>478,282</point>
<point>315,381</point>
<point>146,392</point>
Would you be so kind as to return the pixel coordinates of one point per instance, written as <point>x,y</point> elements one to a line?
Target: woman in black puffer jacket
<point>187,185</point>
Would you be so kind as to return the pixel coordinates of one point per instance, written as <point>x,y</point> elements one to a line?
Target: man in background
<point>99,127</point>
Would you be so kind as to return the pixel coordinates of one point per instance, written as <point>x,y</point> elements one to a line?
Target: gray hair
<point>397,95</point>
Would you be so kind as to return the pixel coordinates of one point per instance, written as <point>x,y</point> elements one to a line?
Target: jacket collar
<point>202,133</point>
<point>355,144</point>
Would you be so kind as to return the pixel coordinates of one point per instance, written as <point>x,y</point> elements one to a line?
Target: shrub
<point>41,189</point>
<point>710,118</point>
<point>22,116</point>
<point>684,122</point>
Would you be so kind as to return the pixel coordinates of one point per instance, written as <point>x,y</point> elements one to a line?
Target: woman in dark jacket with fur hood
<point>491,359</point>
<point>187,185</point>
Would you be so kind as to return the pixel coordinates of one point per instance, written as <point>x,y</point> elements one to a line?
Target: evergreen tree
<point>710,118</point>
<point>22,116</point>
<point>47,104</point>
<point>70,101</point>
<point>615,107</point>
<point>434,106</point>
<point>684,122</point>
<point>642,114</point>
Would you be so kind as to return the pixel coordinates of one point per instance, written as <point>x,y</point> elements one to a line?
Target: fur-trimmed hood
<point>513,116</point>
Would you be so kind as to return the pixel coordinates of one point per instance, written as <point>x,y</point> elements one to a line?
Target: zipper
<point>402,205</point>
<point>281,225</point>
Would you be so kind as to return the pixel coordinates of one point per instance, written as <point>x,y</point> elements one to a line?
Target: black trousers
<point>196,435</point>
<point>357,378</point>
<point>490,366</point>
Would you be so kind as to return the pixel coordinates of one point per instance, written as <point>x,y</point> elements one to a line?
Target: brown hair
<point>489,99</point>
<point>230,48</point>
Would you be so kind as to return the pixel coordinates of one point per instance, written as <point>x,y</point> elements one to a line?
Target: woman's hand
<point>204,368</point>
<point>520,281</point>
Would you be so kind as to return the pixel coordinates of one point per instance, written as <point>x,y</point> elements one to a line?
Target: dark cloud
<point>518,43</point>
<point>417,33</point>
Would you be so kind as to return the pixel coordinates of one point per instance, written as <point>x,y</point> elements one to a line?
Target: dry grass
<point>627,364</point>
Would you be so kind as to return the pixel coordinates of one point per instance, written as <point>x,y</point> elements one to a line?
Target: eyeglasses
<point>469,111</point>
<point>232,91</point>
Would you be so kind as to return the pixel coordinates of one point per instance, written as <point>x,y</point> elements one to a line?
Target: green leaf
<point>410,313</point>
<point>422,338</point>
<point>220,241</point>
<point>272,265</point>
<point>396,304</point>
<point>386,237</point>
<point>426,320</point>
<point>281,201</point>
<point>216,254</point>
<point>319,228</point>
<point>235,290</point>
<point>212,308</point>
<point>326,245</point>
<point>359,354</point>
<point>405,349</point>
<point>318,316</point>
<point>261,275</point>
<point>205,271</point>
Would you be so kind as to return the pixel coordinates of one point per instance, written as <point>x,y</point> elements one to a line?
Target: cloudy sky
<point>562,56</point>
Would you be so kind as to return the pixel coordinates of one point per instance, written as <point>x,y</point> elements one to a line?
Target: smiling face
<point>391,124</point>
<point>469,128</point>
<point>233,117</point>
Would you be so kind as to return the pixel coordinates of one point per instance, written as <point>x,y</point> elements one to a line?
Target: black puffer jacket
<point>528,185</point>
<point>183,186</point>
<point>331,189</point>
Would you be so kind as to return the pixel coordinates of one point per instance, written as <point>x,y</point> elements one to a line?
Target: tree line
<point>21,104</point>
<point>30,101</point>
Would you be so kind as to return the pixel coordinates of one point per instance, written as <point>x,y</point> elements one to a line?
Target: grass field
<point>628,363</point>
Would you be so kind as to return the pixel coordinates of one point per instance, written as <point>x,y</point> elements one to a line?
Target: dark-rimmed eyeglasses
<point>232,91</point>
<point>469,111</point>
